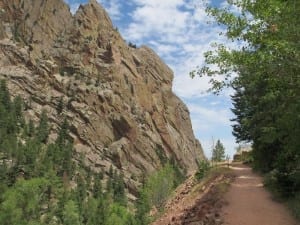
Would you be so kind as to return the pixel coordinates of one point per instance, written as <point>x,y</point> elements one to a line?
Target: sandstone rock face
<point>118,99</point>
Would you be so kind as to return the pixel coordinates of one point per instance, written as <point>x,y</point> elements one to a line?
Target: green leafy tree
<point>119,215</point>
<point>22,204</point>
<point>34,175</point>
<point>266,82</point>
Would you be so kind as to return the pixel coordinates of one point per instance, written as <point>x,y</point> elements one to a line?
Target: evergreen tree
<point>33,174</point>
<point>18,107</point>
<point>119,194</point>
<point>22,203</point>
<point>109,182</point>
<point>71,214</point>
<point>97,187</point>
<point>81,191</point>
<point>4,95</point>
<point>43,128</point>
<point>31,128</point>
<point>60,105</point>
<point>218,153</point>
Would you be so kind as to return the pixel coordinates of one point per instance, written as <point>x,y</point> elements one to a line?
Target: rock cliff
<point>118,99</point>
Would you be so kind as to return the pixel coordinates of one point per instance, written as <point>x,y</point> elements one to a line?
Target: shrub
<point>156,189</point>
<point>294,205</point>
<point>131,45</point>
<point>159,186</point>
<point>203,168</point>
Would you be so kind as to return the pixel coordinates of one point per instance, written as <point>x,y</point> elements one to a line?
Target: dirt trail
<point>250,204</point>
<point>195,204</point>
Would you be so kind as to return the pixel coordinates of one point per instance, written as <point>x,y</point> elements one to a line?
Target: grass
<point>209,177</point>
<point>200,185</point>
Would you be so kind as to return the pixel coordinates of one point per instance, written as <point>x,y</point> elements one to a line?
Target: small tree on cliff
<point>218,153</point>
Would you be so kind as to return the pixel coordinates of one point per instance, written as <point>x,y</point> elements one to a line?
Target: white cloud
<point>159,3</point>
<point>181,34</point>
<point>156,17</point>
<point>212,116</point>
<point>113,7</point>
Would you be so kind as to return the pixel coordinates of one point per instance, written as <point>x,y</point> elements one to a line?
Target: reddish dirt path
<point>195,203</point>
<point>250,204</point>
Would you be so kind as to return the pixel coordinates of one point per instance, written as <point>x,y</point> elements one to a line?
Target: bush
<point>131,45</point>
<point>155,192</point>
<point>294,205</point>
<point>203,168</point>
<point>159,186</point>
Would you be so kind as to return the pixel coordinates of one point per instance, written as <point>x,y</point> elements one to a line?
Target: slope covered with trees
<point>267,86</point>
<point>40,182</point>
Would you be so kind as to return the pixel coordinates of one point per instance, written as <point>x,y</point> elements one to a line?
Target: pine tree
<point>119,189</point>
<point>97,187</point>
<point>71,214</point>
<point>31,128</point>
<point>43,128</point>
<point>60,106</point>
<point>218,152</point>
<point>18,107</point>
<point>4,95</point>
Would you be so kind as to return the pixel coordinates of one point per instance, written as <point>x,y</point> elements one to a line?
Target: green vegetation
<point>266,102</point>
<point>156,190</point>
<point>159,186</point>
<point>40,183</point>
<point>294,205</point>
<point>203,169</point>
<point>60,105</point>
<point>131,45</point>
<point>36,177</point>
<point>218,153</point>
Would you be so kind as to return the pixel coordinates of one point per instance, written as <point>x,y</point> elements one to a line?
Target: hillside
<point>118,99</point>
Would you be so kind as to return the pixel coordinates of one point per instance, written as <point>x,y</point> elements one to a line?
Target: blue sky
<point>178,30</point>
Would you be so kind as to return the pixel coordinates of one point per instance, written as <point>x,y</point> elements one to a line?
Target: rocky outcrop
<point>118,99</point>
